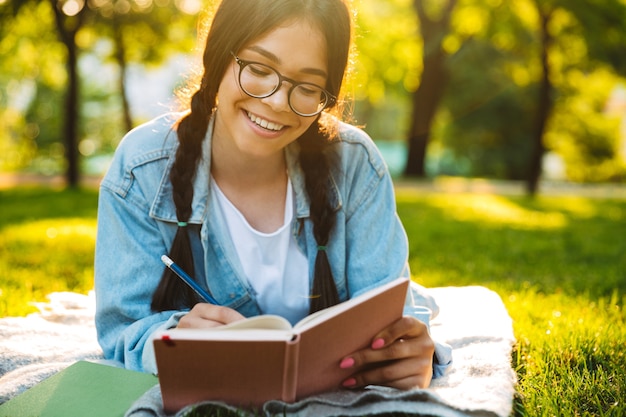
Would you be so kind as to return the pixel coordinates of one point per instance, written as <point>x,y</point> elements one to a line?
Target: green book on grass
<point>82,389</point>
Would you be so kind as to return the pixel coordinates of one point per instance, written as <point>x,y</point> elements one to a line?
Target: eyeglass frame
<point>331,99</point>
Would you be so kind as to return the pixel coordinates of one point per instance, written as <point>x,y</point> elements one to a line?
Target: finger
<point>220,314</point>
<point>400,374</point>
<point>405,328</point>
<point>399,341</point>
<point>398,349</point>
<point>381,363</point>
<point>204,315</point>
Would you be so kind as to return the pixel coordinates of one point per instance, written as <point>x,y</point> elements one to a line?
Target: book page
<point>264,327</point>
<point>250,335</point>
<point>265,321</point>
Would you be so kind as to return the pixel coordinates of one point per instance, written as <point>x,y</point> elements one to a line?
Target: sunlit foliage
<point>34,74</point>
<point>482,127</point>
<point>488,115</point>
<point>388,66</point>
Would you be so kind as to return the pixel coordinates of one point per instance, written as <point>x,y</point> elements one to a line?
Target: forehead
<point>293,45</point>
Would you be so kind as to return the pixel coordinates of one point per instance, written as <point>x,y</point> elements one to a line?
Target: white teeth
<point>264,123</point>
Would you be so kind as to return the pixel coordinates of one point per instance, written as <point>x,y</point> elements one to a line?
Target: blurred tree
<point>487,85</point>
<point>140,31</point>
<point>588,60</point>
<point>597,31</point>
<point>504,68</point>
<point>69,17</point>
<point>545,97</point>
<point>489,101</point>
<point>488,117</point>
<point>434,24</point>
<point>32,79</point>
<point>582,129</point>
<point>386,67</point>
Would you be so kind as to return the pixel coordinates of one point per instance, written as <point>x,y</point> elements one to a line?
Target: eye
<point>260,70</point>
<point>309,90</point>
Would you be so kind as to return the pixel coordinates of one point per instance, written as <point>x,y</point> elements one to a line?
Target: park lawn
<point>559,264</point>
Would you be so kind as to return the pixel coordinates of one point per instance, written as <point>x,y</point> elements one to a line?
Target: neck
<point>229,164</point>
<point>257,186</point>
<point>247,170</point>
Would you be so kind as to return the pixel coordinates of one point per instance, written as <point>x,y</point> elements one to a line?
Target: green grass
<point>46,244</point>
<point>559,264</point>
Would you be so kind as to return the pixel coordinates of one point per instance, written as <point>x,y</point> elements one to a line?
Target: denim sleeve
<point>378,246</point>
<point>376,243</point>
<point>127,271</point>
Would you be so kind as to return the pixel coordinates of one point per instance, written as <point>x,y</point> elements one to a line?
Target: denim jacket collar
<point>163,207</point>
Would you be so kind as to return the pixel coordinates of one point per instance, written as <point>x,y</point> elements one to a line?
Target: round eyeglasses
<point>259,81</point>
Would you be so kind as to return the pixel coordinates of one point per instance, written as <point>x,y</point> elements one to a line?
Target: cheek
<point>305,126</point>
<point>306,122</point>
<point>229,87</point>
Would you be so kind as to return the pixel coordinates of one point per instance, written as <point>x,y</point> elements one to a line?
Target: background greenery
<point>484,123</point>
<point>558,263</point>
<point>46,244</point>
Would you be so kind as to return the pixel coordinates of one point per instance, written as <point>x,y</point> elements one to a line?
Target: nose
<point>279,100</point>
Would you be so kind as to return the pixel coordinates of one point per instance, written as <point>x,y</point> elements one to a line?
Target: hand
<point>400,356</point>
<point>204,315</point>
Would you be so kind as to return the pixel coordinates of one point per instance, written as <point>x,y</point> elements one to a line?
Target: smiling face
<point>262,127</point>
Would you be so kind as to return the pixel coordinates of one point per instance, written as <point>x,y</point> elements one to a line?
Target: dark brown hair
<point>234,25</point>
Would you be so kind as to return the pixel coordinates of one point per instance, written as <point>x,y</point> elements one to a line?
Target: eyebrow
<point>272,57</point>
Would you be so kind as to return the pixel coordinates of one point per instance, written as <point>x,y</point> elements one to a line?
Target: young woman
<point>262,195</point>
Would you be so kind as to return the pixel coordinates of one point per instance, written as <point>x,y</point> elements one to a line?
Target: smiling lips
<point>264,123</point>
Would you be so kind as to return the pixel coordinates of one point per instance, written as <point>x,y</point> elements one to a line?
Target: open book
<point>264,358</point>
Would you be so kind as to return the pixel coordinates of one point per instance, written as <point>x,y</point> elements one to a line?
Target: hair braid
<point>171,293</point>
<point>316,166</point>
<point>230,30</point>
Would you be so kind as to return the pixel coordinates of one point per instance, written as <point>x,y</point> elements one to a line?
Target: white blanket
<point>473,320</point>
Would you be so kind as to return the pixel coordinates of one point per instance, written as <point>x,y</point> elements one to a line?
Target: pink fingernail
<point>378,343</point>
<point>350,382</point>
<point>347,363</point>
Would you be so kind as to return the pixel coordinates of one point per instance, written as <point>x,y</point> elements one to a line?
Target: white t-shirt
<point>275,267</point>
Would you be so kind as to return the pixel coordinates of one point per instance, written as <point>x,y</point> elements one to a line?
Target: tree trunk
<point>72,116</point>
<point>120,56</point>
<point>67,30</point>
<point>544,108</point>
<point>425,102</point>
<point>427,97</point>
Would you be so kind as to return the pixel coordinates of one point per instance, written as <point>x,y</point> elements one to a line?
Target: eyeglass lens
<point>259,80</point>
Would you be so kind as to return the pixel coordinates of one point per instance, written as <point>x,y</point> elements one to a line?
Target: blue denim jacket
<point>137,223</point>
